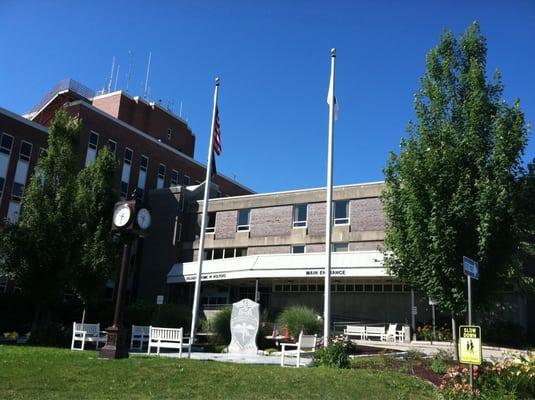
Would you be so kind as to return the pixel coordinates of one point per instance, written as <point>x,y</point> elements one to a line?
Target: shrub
<point>297,319</point>
<point>440,362</point>
<point>442,333</point>
<point>335,355</point>
<point>220,325</point>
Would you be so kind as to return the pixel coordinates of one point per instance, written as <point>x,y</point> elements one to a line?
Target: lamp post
<point>130,220</point>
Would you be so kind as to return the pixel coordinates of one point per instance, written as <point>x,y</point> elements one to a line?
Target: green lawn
<point>46,373</point>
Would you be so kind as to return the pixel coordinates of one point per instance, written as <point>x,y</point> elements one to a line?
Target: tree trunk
<point>454,337</point>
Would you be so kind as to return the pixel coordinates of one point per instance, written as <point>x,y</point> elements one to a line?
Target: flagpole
<point>204,221</point>
<point>328,212</point>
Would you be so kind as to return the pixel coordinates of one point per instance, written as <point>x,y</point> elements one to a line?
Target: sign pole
<point>471,376</point>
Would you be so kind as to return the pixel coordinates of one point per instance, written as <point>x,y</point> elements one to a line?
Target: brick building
<point>154,148</point>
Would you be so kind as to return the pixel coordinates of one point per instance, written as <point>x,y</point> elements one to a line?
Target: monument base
<point>116,346</point>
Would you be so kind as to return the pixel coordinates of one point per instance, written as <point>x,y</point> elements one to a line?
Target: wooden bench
<point>355,330</point>
<point>139,334</point>
<point>375,331</point>
<point>169,338</point>
<point>86,333</point>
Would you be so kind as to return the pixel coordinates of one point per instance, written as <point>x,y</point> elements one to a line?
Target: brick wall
<point>366,215</point>
<point>225,224</point>
<point>315,248</point>
<point>359,246</point>
<point>316,219</point>
<point>271,221</point>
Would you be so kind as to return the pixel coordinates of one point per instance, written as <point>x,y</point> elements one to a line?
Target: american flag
<point>217,133</point>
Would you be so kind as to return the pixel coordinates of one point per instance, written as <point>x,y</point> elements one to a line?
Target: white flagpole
<point>204,221</point>
<point>328,212</point>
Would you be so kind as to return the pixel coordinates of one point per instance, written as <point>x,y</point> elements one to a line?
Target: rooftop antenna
<point>116,78</point>
<point>130,67</point>
<point>180,113</point>
<point>111,74</point>
<point>146,91</point>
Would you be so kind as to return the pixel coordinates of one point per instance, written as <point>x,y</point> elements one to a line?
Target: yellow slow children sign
<point>470,351</point>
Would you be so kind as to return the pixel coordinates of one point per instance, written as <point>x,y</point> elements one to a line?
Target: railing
<point>65,84</point>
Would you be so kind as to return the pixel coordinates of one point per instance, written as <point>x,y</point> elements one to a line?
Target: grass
<point>51,373</point>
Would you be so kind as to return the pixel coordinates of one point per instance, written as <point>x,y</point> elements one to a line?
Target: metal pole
<point>328,215</point>
<point>471,376</point>
<point>413,316</point>
<point>433,313</point>
<point>256,294</point>
<point>204,221</point>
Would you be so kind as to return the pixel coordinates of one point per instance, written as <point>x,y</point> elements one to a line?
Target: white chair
<point>305,345</point>
<point>391,333</point>
<point>86,333</point>
<point>139,334</point>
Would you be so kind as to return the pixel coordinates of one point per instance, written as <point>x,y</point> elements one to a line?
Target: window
<point>93,140</point>
<point>6,144</point>
<point>2,182</point>
<point>25,151</point>
<point>186,180</point>
<point>124,189</point>
<point>243,219</point>
<point>144,163</point>
<point>128,154</point>
<point>298,249</point>
<point>161,176</point>
<point>341,212</point>
<point>241,252</point>
<point>219,194</point>
<point>112,145</point>
<point>210,227</point>
<point>169,134</point>
<point>300,216</point>
<point>16,193</point>
<point>340,247</point>
<point>43,152</point>
<point>174,177</point>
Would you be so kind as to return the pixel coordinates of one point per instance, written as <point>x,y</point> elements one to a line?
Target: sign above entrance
<point>470,350</point>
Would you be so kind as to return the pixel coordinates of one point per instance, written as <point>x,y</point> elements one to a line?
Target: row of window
<point>339,247</point>
<point>299,219</point>
<point>343,287</point>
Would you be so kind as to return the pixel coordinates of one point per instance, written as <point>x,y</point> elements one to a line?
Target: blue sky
<point>273,60</point>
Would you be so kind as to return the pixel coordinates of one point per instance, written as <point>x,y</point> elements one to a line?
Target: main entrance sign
<point>244,327</point>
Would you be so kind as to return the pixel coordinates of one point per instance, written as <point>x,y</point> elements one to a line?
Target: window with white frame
<point>112,146</point>
<point>6,144</point>
<point>341,212</point>
<point>21,175</point>
<point>25,151</point>
<point>91,154</point>
<point>186,180</point>
<point>174,177</point>
<point>125,174</point>
<point>244,217</point>
<point>300,216</point>
<point>142,177</point>
<point>210,226</point>
<point>161,176</point>
<point>298,249</point>
<point>340,247</point>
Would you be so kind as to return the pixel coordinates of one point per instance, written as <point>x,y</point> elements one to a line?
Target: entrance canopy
<point>311,265</point>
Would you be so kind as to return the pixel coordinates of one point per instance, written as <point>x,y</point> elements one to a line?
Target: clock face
<point>121,215</point>
<point>143,218</point>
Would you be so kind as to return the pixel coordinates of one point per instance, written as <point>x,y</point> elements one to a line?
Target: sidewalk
<point>430,348</point>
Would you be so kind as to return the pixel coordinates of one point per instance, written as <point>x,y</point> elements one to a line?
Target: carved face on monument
<point>244,327</point>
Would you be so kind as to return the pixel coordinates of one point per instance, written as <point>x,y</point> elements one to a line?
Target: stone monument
<point>244,327</point>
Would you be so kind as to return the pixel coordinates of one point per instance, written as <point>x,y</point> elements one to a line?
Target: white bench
<point>375,331</point>
<point>139,334</point>
<point>305,345</point>
<point>355,330</point>
<point>392,334</point>
<point>169,338</point>
<point>86,333</point>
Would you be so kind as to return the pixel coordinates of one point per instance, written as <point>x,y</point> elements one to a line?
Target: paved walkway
<point>273,359</point>
<point>431,348</point>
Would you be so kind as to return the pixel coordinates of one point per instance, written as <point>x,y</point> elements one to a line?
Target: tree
<point>61,242</point>
<point>458,187</point>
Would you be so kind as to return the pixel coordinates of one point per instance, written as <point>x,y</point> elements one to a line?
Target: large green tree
<point>61,242</point>
<point>458,186</point>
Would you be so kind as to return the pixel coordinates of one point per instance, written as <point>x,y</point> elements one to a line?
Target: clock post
<point>130,220</point>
